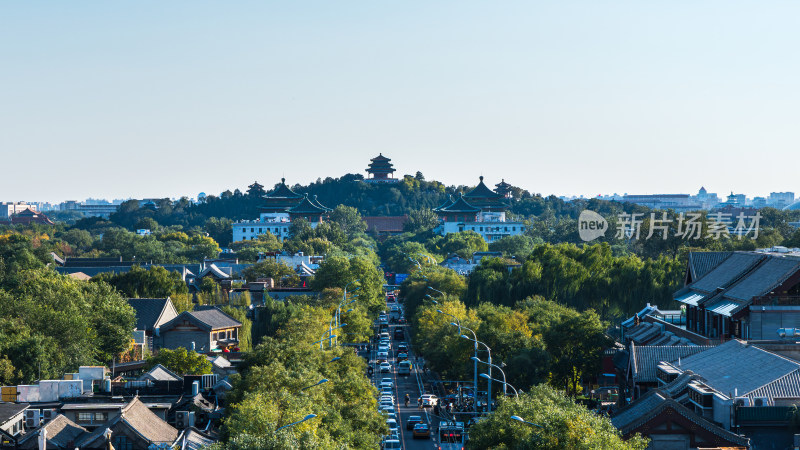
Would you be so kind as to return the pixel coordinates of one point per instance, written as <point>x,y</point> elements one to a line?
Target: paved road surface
<point>412,386</point>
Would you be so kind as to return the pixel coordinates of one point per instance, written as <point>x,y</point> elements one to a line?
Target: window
<point>85,417</point>
<point>230,334</point>
<point>213,336</point>
<point>100,417</point>
<point>259,230</point>
<point>123,443</point>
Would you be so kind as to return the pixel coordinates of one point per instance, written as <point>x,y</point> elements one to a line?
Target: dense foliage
<point>279,384</point>
<point>51,324</point>
<point>558,423</point>
<point>180,361</point>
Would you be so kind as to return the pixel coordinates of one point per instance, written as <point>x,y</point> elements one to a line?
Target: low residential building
<point>61,433</point>
<point>151,314</point>
<point>203,330</point>
<point>134,427</point>
<point>12,419</point>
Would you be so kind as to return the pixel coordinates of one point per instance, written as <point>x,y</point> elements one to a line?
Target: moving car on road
<point>411,421</point>
<point>421,430</point>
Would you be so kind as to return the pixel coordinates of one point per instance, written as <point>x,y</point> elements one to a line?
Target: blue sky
<point>152,99</point>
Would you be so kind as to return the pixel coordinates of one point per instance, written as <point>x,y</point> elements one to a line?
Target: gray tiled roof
<point>727,272</point>
<point>208,319</point>
<point>160,373</point>
<point>61,432</point>
<point>138,417</point>
<point>194,439</point>
<point>737,366</point>
<point>645,359</point>
<point>653,403</point>
<point>764,278</point>
<point>9,410</point>
<point>700,263</point>
<point>148,310</point>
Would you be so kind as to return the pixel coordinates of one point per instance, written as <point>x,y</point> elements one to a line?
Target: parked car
<point>391,444</point>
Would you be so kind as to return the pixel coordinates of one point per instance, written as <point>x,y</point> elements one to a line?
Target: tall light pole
<point>475,358</point>
<point>475,364</point>
<point>516,394</point>
<point>338,308</point>
<point>489,388</point>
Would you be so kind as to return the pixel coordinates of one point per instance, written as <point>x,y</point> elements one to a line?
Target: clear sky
<point>170,98</point>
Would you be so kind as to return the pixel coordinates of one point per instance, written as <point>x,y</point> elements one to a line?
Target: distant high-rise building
<point>780,200</point>
<point>8,209</point>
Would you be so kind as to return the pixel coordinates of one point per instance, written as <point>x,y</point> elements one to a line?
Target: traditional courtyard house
<point>746,295</point>
<point>12,419</point>
<point>151,314</point>
<point>135,427</point>
<point>204,330</point>
<point>718,397</point>
<point>60,433</point>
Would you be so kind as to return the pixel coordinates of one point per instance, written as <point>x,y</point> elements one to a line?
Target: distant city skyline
<point>158,99</point>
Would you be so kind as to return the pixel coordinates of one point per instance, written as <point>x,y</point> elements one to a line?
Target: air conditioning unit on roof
<point>742,401</point>
<point>31,419</point>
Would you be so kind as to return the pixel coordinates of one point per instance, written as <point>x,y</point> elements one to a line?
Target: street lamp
<point>308,417</point>
<point>520,419</point>
<point>475,358</point>
<point>335,359</point>
<point>483,375</point>
<point>431,299</point>
<point>436,290</point>
<point>489,350</point>
<point>322,381</point>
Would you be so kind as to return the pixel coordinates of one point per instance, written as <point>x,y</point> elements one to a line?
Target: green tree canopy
<point>562,424</point>
<point>181,361</point>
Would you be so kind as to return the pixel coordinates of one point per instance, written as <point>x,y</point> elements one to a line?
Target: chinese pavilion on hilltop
<point>381,170</point>
<point>503,188</point>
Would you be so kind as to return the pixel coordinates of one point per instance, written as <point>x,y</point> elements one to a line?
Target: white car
<point>429,400</point>
<point>392,424</point>
<point>392,444</point>
<point>386,368</point>
<point>383,356</point>
<point>387,380</point>
<point>385,384</point>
